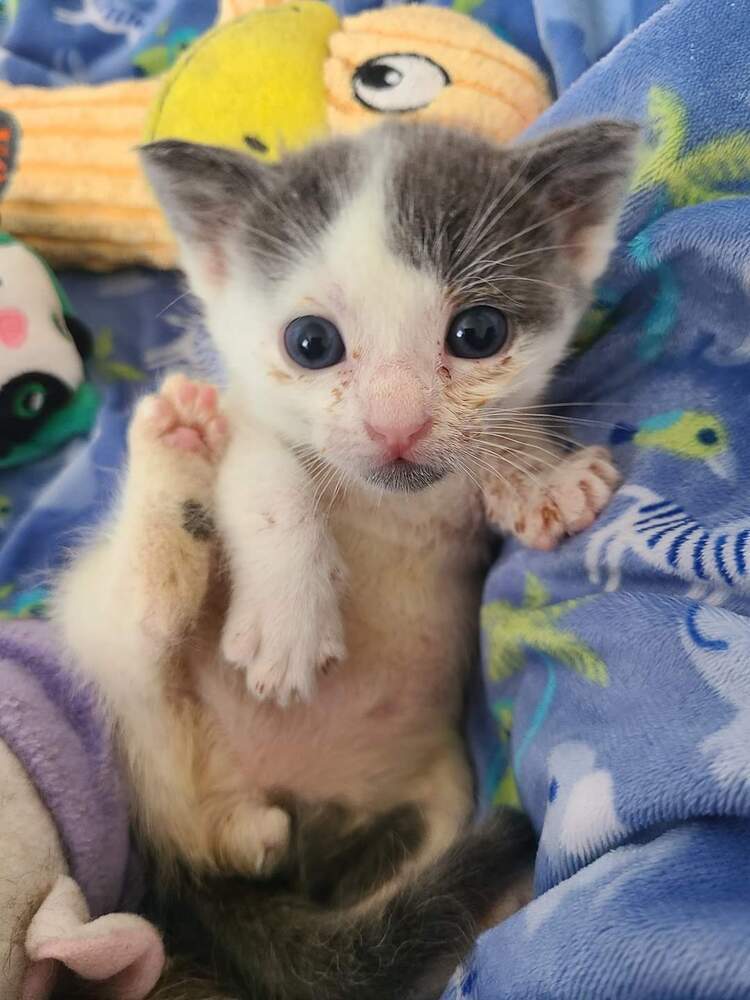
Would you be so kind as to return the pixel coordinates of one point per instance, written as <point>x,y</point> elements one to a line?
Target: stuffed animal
<point>68,878</point>
<point>44,396</point>
<point>272,80</point>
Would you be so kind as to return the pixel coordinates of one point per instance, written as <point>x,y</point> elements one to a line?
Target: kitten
<point>281,615</point>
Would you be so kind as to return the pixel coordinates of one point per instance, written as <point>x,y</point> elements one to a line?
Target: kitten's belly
<point>381,719</point>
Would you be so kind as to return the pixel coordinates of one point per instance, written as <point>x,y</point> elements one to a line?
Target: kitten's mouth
<point>402,476</point>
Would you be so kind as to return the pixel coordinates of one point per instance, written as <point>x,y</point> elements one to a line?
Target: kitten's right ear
<point>201,189</point>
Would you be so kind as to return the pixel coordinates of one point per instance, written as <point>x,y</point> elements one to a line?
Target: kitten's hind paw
<point>253,838</point>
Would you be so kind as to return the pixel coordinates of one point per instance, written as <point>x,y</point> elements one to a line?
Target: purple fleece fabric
<point>54,727</point>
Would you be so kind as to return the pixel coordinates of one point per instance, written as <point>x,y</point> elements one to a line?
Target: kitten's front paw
<point>183,417</point>
<point>176,439</point>
<point>568,500</point>
<point>283,640</point>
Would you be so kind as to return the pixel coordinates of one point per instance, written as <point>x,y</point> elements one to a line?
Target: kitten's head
<point>375,298</point>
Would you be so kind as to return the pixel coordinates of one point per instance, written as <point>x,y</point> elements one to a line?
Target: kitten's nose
<point>397,439</point>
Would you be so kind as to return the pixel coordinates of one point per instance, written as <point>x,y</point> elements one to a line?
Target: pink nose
<point>398,439</point>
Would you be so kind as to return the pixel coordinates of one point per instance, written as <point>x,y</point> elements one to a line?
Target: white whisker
<point>537,420</point>
<point>528,433</point>
<point>523,447</point>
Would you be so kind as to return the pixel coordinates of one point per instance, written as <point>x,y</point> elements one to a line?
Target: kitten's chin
<point>405,477</point>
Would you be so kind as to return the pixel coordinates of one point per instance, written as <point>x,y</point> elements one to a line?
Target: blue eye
<point>313,342</point>
<point>478,332</point>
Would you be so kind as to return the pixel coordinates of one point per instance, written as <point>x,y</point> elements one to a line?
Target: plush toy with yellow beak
<point>270,81</point>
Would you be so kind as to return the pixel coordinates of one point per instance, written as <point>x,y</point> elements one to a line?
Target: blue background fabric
<point>58,42</point>
<point>617,670</point>
<point>614,699</point>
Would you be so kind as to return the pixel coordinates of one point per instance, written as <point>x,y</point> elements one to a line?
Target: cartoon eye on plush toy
<point>398,82</point>
<point>234,87</point>
<point>44,398</point>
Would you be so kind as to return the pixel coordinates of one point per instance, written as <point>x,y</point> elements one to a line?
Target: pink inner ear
<point>14,327</point>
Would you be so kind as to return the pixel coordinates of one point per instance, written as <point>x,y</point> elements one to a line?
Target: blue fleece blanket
<point>614,700</point>
<point>617,670</point>
<point>57,42</point>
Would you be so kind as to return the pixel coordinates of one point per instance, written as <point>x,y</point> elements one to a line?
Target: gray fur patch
<point>277,212</point>
<point>499,225</point>
<point>197,521</point>
<point>338,862</point>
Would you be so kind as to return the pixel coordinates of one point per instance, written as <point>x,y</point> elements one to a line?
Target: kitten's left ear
<point>582,174</point>
<point>201,190</point>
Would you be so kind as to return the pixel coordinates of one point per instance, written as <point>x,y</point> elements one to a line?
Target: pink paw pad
<point>187,393</point>
<point>184,439</point>
<point>207,398</point>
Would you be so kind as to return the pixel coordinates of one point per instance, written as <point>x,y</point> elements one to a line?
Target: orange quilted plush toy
<point>276,77</point>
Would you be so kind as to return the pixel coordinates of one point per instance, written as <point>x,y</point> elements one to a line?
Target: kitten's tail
<point>261,945</point>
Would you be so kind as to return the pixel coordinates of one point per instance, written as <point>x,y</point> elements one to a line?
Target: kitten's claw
<point>568,500</point>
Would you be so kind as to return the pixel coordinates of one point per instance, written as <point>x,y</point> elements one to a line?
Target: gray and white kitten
<point>282,612</point>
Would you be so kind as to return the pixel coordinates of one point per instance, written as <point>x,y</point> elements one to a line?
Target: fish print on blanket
<point>694,435</point>
<point>108,16</point>
<point>58,42</point>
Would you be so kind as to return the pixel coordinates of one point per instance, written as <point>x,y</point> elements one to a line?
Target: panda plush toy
<point>44,396</point>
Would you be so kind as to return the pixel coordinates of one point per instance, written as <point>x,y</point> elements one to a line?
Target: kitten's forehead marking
<point>453,208</point>
<point>386,303</point>
<point>305,194</point>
